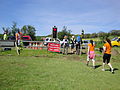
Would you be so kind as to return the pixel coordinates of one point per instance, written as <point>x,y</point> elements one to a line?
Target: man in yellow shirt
<point>5,36</point>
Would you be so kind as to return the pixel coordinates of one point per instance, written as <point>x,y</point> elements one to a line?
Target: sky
<point>90,15</point>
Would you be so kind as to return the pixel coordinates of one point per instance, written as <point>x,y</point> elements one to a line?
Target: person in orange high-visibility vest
<point>91,53</point>
<point>18,41</point>
<point>18,37</point>
<point>107,54</point>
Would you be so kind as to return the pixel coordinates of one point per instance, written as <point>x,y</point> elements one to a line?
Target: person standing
<point>72,42</point>
<point>65,45</point>
<point>78,45</point>
<point>5,36</point>
<point>91,53</point>
<point>107,54</point>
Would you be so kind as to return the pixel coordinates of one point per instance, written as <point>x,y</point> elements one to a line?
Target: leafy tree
<point>40,38</point>
<point>24,30</point>
<point>87,35</point>
<point>29,30</point>
<point>14,28</point>
<point>1,36</point>
<point>94,35</point>
<point>64,32</point>
<point>115,32</point>
<point>7,30</point>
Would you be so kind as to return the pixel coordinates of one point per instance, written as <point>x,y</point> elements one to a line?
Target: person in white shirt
<point>65,45</point>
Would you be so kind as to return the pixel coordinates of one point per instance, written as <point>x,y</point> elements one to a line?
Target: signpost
<point>54,47</point>
<point>54,32</point>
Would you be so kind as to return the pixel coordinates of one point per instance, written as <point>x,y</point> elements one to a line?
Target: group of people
<point>91,50</point>
<point>74,42</point>
<point>18,37</point>
<point>77,43</point>
<point>106,54</point>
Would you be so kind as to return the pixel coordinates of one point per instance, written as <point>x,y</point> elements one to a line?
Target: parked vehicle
<point>24,38</point>
<point>115,42</point>
<point>49,39</point>
<point>46,40</point>
<point>85,43</point>
<point>11,38</point>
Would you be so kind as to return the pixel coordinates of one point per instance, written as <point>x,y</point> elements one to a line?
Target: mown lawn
<point>42,70</point>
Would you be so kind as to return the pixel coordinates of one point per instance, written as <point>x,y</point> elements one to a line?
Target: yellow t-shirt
<point>108,48</point>
<point>5,37</point>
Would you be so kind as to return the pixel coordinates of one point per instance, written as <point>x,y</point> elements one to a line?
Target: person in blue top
<point>78,44</point>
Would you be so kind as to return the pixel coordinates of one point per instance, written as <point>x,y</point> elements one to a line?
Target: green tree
<point>14,28</point>
<point>24,30</point>
<point>29,30</point>
<point>64,32</point>
<point>87,35</point>
<point>115,32</point>
<point>1,36</point>
<point>7,30</point>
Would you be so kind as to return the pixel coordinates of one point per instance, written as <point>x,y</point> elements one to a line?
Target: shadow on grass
<point>115,69</point>
<point>97,66</point>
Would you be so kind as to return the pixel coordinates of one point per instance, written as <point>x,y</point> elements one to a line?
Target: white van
<point>49,39</point>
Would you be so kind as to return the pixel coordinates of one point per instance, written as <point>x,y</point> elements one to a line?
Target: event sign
<point>54,47</point>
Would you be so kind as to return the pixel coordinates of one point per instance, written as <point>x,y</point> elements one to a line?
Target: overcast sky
<point>89,15</point>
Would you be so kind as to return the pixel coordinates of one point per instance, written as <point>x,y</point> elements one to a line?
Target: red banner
<point>54,47</point>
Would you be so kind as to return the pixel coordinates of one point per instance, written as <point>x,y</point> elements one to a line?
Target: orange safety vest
<point>19,36</point>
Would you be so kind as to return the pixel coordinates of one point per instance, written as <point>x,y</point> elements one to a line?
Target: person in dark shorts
<point>107,55</point>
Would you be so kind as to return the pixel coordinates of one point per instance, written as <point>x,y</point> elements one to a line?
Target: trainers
<point>103,69</point>
<point>112,70</point>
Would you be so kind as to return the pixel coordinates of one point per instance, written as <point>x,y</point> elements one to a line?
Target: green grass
<point>42,70</point>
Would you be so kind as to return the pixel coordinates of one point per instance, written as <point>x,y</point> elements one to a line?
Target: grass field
<point>42,70</point>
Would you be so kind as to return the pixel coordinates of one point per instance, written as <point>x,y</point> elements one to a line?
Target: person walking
<point>107,54</point>
<point>18,36</point>
<point>18,42</point>
<point>91,53</point>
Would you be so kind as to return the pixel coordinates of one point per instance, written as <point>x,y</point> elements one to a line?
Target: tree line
<point>31,31</point>
<point>26,30</point>
<point>82,33</point>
